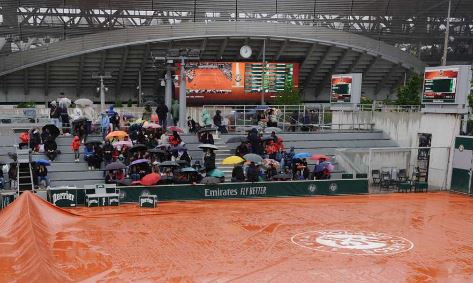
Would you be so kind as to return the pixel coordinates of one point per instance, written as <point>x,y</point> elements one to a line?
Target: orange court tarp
<point>239,240</point>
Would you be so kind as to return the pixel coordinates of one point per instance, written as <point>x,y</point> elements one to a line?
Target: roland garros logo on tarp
<point>352,242</point>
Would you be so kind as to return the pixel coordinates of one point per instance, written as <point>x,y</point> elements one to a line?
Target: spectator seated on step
<point>238,174</point>
<point>42,175</point>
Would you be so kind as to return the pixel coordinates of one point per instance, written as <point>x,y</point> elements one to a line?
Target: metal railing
<point>388,108</point>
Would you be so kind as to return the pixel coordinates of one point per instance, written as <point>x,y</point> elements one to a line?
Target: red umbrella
<point>150,179</point>
<point>319,156</point>
<point>177,129</point>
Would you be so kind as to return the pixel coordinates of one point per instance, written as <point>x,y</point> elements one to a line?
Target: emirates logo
<point>352,242</point>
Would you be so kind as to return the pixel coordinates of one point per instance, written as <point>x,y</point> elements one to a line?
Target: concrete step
<point>77,175</point>
<point>77,183</point>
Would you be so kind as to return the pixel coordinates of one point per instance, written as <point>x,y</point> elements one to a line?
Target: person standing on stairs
<point>75,148</point>
<point>104,124</point>
<point>42,174</point>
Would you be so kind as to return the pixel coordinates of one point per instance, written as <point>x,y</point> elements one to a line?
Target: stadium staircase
<point>24,171</point>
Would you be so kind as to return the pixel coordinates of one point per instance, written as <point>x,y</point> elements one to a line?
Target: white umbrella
<point>206,145</point>
<point>84,102</point>
<point>64,102</point>
<point>272,129</point>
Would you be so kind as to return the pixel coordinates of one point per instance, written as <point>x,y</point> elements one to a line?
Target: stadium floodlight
<point>103,89</point>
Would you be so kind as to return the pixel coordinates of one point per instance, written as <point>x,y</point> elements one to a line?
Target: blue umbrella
<point>188,169</point>
<point>302,155</point>
<point>139,161</point>
<point>216,173</point>
<point>43,162</point>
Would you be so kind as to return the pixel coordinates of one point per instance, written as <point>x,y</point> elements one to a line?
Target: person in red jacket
<point>75,147</point>
<point>175,139</point>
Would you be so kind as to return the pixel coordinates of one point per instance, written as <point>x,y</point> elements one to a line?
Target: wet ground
<point>421,237</point>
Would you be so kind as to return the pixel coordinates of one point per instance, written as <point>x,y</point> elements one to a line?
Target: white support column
<point>168,91</point>
<point>182,98</point>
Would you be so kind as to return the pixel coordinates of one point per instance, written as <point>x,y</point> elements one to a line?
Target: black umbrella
<point>169,164</point>
<point>207,130</point>
<point>211,180</point>
<point>93,142</point>
<point>137,147</point>
<point>115,166</point>
<point>238,139</point>
<point>50,145</point>
<point>52,129</point>
<point>156,150</point>
<point>282,177</point>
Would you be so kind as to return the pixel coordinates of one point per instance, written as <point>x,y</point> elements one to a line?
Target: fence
<point>431,163</point>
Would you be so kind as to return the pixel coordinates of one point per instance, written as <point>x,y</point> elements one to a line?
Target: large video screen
<point>440,86</point>
<point>341,89</point>
<point>236,82</point>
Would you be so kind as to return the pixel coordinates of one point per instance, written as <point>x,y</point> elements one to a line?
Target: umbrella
<point>237,139</point>
<point>123,143</point>
<point>169,164</point>
<point>139,161</point>
<point>272,129</point>
<point>151,126</point>
<point>150,103</point>
<point>216,173</point>
<point>116,134</point>
<point>175,129</point>
<point>128,116</point>
<point>181,162</point>
<point>93,142</point>
<point>206,145</point>
<point>138,147</point>
<point>163,146</point>
<point>282,177</point>
<point>188,170</point>
<point>156,150</point>
<point>64,102</point>
<point>253,158</point>
<point>138,122</point>
<point>319,156</point>
<point>150,179</point>
<point>267,162</point>
<point>43,162</point>
<point>179,148</point>
<point>233,160</point>
<point>53,130</point>
<point>79,120</point>
<point>207,130</point>
<point>84,102</point>
<point>210,180</point>
<point>117,165</point>
<point>301,155</point>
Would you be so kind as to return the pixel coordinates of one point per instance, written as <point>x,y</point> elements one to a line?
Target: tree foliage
<point>411,92</point>
<point>289,96</point>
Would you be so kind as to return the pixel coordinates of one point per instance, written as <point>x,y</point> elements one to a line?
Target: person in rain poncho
<point>206,119</point>
<point>175,112</point>
<point>104,124</point>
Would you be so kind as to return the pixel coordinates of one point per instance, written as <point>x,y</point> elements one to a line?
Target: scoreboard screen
<point>440,86</point>
<point>341,89</point>
<point>273,78</point>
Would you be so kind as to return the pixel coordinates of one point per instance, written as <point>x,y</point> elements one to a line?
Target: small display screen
<point>440,86</point>
<point>341,89</point>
